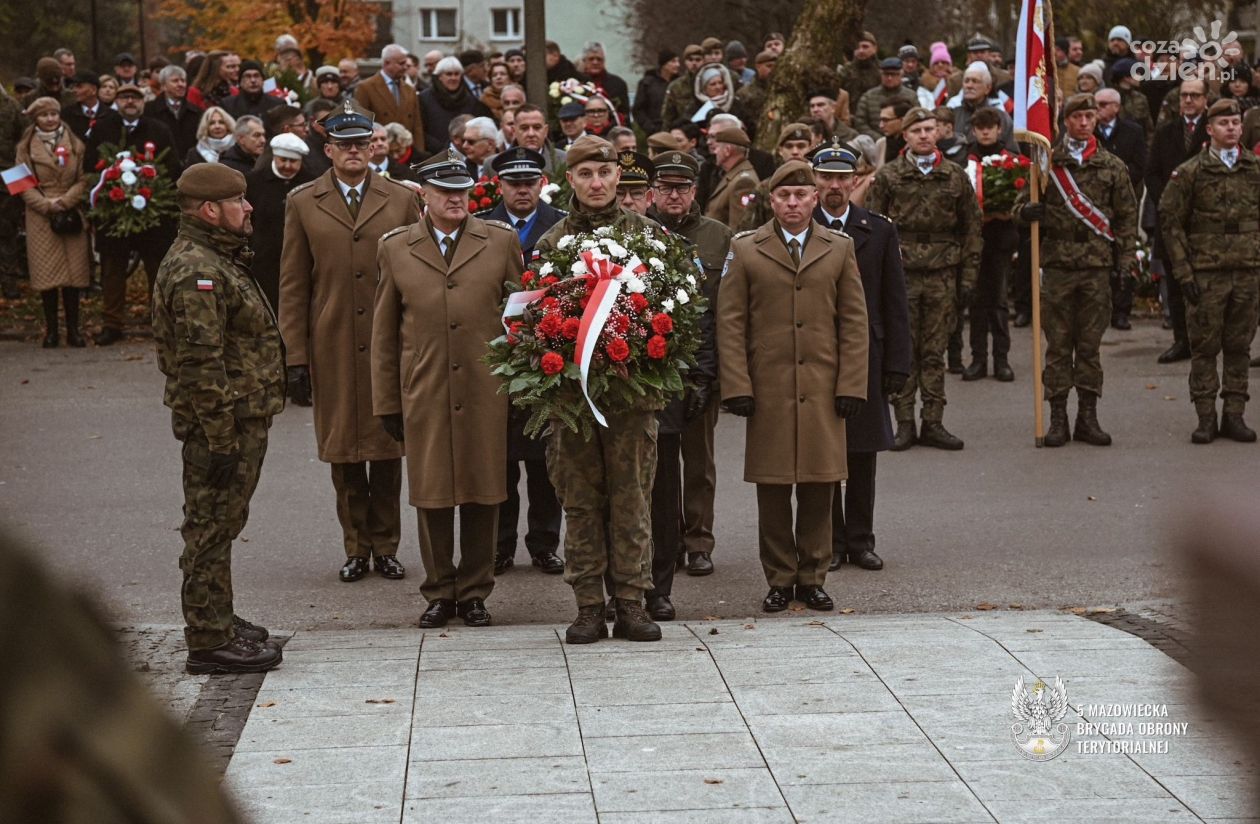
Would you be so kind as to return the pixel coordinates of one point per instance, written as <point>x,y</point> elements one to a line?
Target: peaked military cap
<point>519,163</point>
<point>835,159</point>
<point>676,164</point>
<point>348,124</point>
<point>444,170</point>
<point>636,168</point>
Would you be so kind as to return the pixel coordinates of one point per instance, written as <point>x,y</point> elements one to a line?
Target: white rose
<point>691,279</point>
<point>565,242</point>
<point>657,264</point>
<point>658,246</point>
<point>614,248</point>
<point>138,202</point>
<point>579,268</point>
<point>683,297</point>
<point>129,178</point>
<point>604,231</point>
<point>635,285</point>
<point>587,244</point>
<point>128,165</point>
<point>545,269</point>
<point>667,305</point>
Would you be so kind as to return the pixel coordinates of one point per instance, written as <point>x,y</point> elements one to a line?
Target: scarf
<point>50,139</point>
<point>276,172</point>
<point>211,147</point>
<point>452,101</point>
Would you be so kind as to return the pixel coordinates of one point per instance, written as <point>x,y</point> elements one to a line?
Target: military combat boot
<point>588,627</point>
<point>1087,428</point>
<point>1232,427</point>
<point>905,438</point>
<point>1002,369</point>
<point>1058,433</point>
<point>1207,431</point>
<point>633,623</point>
<point>934,433</point>
<point>238,655</point>
<point>979,368</point>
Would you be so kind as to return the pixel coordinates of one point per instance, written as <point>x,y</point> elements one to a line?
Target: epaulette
<point>302,186</point>
<point>500,224</point>
<point>480,214</point>
<point>881,216</point>
<point>744,233</point>
<point>839,232</point>
<point>393,232</point>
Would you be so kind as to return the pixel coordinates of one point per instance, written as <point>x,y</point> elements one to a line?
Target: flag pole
<point>1039,422</point>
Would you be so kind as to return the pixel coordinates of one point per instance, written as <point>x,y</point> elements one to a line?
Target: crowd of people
<point>327,186</point>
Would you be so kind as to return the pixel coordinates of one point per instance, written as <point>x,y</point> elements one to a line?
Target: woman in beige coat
<point>58,262</point>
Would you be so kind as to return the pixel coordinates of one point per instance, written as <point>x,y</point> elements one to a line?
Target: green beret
<point>916,115</point>
<point>1223,108</point>
<point>211,181</point>
<point>795,131</point>
<point>734,136</point>
<point>664,141</point>
<point>589,147</point>
<point>1080,102</point>
<point>792,173</point>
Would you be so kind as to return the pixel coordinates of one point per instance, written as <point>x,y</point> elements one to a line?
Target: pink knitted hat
<point>940,54</point>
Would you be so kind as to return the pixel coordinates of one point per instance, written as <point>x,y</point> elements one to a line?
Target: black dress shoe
<point>474,613</point>
<point>389,567</point>
<point>51,341</point>
<point>502,563</point>
<point>660,608</point>
<point>354,569</point>
<point>1121,322</point>
<point>866,559</point>
<point>75,339</point>
<point>438,613</point>
<point>955,366</point>
<point>699,563</point>
<point>548,562</point>
<point>1002,370</point>
<point>108,336</point>
<point>814,597</point>
<point>977,369</point>
<point>837,560</point>
<point>1022,319</point>
<point>777,599</point>
<point>238,655</point>
<point>250,632</point>
<point>1179,351</point>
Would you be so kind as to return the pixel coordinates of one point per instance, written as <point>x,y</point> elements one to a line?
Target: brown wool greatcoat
<point>374,95</point>
<point>726,204</point>
<point>430,333</point>
<point>793,342</point>
<point>327,285</point>
<point>55,260</point>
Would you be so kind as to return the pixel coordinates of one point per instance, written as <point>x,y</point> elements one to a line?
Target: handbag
<point>69,222</point>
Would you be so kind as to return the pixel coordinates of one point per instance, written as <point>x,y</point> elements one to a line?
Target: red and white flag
<point>1035,112</point>
<point>19,179</point>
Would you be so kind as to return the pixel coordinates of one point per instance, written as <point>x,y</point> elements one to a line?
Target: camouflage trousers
<point>212,520</point>
<point>1223,322</point>
<point>605,487</point>
<point>1075,311</point>
<point>932,309</point>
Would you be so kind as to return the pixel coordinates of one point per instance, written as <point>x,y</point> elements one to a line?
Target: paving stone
<point>531,708</point>
<point>647,753</point>
<point>840,729</point>
<point>607,692</point>
<point>765,670</point>
<point>340,674</point>
<point>1227,796</point>
<point>753,815</point>
<point>935,801</point>
<point>438,686</point>
<point>319,656</point>
<point>683,790</point>
<point>374,802</point>
<point>801,699</point>
<point>1134,663</point>
<point>1198,756</point>
<point>766,651</point>
<point>495,741</point>
<point>483,659</point>
<point>683,668</point>
<point>1090,810</point>
<point>263,734</point>
<point>835,764</point>
<point>560,808</point>
<point>659,719</point>
<point>309,768</point>
<point>360,639</point>
<point>331,701</point>
<point>1070,775</point>
<point>497,776</point>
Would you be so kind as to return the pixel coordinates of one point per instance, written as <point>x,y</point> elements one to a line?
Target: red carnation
<point>662,324</point>
<point>638,303</point>
<point>620,324</point>
<point>112,174</point>
<point>513,340</point>
<point>550,324</point>
<point>549,303</point>
<point>472,205</point>
<point>617,349</point>
<point>549,280</point>
<point>101,164</point>
<point>480,191</point>
<point>552,363</point>
<point>514,326</point>
<point>146,192</point>
<point>117,194</point>
<point>148,171</point>
<point>486,203</point>
<point>656,347</point>
<point>527,278</point>
<point>570,328</point>
<point>1025,162</point>
<point>1020,183</point>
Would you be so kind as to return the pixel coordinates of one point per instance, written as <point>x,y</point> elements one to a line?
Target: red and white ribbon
<point>1079,204</point>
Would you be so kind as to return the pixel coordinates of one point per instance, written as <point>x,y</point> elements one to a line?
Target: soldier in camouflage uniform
<point>1209,215</point>
<point>795,141</point>
<point>934,207</point>
<point>680,95</point>
<point>751,99</point>
<point>862,72</point>
<point>221,352</point>
<point>11,253</point>
<point>604,484</point>
<point>1081,245</point>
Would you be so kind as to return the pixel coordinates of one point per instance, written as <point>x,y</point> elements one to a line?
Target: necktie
<point>1189,135</point>
<point>448,248</point>
<point>393,87</point>
<point>352,202</point>
<point>520,224</point>
<point>794,249</point>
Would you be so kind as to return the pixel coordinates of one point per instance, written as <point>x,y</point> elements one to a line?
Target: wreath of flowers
<point>998,180</point>
<point>133,194</point>
<point>485,194</point>
<point>628,304</point>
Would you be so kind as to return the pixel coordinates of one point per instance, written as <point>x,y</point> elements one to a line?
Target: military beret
<point>765,57</point>
<point>129,89</point>
<point>734,137</point>
<point>665,141</point>
<point>571,111</point>
<point>890,64</point>
<point>1223,108</point>
<point>835,159</point>
<point>693,51</point>
<point>1079,102</point>
<point>47,68</point>
<point>916,115</point>
<point>676,164</point>
<point>444,170</point>
<point>519,163</point>
<point>795,131</point>
<point>868,37</point>
<point>636,168</point>
<point>211,181</point>
<point>711,43</point>
<point>588,147</point>
<point>792,173</point>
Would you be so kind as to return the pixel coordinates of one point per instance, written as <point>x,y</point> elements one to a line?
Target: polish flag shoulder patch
<point>205,285</point>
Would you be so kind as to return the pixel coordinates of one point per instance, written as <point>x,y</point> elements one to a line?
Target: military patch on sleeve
<point>205,285</point>
<point>726,264</point>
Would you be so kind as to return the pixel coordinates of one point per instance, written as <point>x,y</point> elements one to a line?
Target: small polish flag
<point>205,285</point>
<point>19,179</point>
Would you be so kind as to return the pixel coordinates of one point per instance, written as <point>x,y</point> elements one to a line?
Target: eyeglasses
<point>347,145</point>
<point>636,192</point>
<point>883,119</point>
<point>667,189</point>
<point>597,111</point>
<point>1190,95</point>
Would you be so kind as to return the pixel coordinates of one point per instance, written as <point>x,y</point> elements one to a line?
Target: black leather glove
<point>742,406</point>
<point>222,468</point>
<point>299,381</point>
<point>393,424</point>
<point>847,407</point>
<point>1031,212</point>
<point>698,400</point>
<point>893,382</point>
<point>1190,291</point>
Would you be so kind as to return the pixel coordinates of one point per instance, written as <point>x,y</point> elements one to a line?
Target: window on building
<point>437,24</point>
<point>505,24</point>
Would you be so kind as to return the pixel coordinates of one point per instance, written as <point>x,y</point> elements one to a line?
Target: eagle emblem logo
<point>1039,731</point>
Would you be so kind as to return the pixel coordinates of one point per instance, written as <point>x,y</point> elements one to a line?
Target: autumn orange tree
<point>327,29</point>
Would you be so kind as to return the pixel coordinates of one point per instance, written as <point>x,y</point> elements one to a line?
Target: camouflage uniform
<point>221,352</point>
<point>605,484</point>
<point>1076,266</point>
<point>751,99</point>
<point>1209,216</point>
<point>866,113</point>
<point>938,221</point>
<point>857,76</point>
<point>12,255</point>
<point>680,97</point>
<point>1135,106</point>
